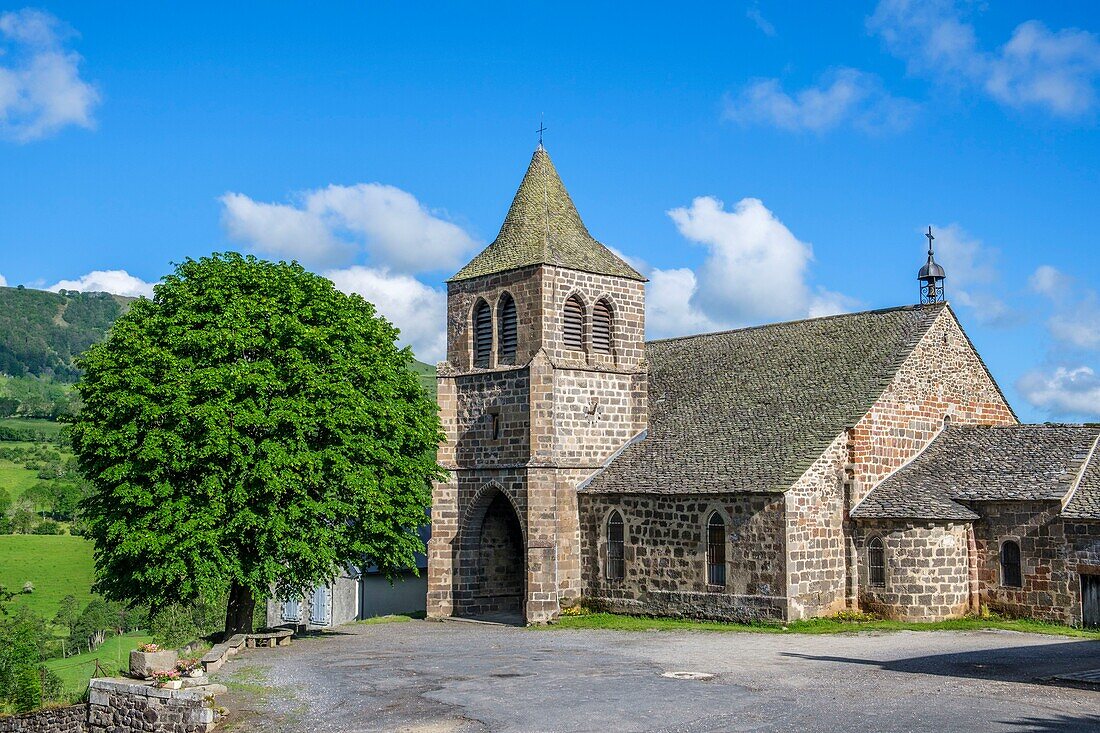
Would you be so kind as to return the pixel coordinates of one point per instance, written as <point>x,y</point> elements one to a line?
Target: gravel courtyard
<point>426,677</point>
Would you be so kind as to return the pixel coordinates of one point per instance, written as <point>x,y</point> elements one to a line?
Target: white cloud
<point>118,282</point>
<point>765,26</point>
<point>1065,391</point>
<point>3,282</point>
<point>669,310</point>
<point>1054,71</point>
<point>1078,324</point>
<point>1049,281</point>
<point>843,96</point>
<point>755,272</point>
<point>40,86</point>
<point>417,309</point>
<point>331,225</point>
<point>973,277</point>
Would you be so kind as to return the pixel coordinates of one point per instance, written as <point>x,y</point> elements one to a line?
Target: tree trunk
<point>238,614</point>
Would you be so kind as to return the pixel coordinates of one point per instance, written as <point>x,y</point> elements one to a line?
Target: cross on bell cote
<point>931,276</point>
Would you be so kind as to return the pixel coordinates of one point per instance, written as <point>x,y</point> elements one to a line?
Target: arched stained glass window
<point>716,550</point>
<point>876,563</point>
<point>616,547</point>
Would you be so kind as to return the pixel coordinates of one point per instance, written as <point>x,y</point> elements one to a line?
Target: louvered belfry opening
<point>573,326</point>
<point>601,328</point>
<point>508,322</point>
<point>483,334</point>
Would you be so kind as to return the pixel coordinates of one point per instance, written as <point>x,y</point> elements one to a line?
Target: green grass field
<point>49,428</point>
<point>14,477</point>
<point>57,565</point>
<point>113,656</point>
<point>813,626</point>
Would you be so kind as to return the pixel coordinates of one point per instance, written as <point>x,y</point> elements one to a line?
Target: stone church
<point>861,461</point>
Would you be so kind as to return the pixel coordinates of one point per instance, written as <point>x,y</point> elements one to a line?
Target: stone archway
<point>493,567</point>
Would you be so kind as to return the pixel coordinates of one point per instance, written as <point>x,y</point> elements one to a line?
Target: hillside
<point>42,332</point>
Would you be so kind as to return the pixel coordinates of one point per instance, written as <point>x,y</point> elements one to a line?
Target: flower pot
<point>171,684</point>
<point>144,664</point>
<point>197,672</point>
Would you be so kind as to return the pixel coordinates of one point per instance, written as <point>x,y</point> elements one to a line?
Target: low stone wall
<point>125,706</point>
<point>69,719</point>
<point>706,606</point>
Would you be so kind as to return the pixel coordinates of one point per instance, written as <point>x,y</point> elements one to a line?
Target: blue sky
<point>761,161</point>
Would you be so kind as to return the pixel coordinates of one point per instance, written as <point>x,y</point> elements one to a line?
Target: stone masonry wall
<point>1051,586</point>
<point>525,287</point>
<point>71,719</point>
<point>815,546</point>
<point>943,376</point>
<point>927,571</point>
<point>123,706</point>
<point>479,397</point>
<point>627,301</point>
<point>665,570</point>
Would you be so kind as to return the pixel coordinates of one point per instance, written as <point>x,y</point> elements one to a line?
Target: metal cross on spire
<point>930,238</point>
<point>542,129</point>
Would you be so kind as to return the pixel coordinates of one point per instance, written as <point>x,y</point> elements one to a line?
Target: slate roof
<point>1085,502</point>
<point>752,409</point>
<point>543,228</point>
<point>976,464</point>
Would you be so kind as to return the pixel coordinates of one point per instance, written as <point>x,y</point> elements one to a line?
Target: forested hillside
<point>42,332</point>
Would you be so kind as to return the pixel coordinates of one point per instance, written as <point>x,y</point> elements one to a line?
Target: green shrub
<point>47,526</point>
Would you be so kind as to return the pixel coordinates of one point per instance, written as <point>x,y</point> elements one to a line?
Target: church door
<point>1090,600</point>
<point>496,566</point>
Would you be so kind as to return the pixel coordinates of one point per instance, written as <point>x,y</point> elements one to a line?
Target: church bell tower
<point>545,380</point>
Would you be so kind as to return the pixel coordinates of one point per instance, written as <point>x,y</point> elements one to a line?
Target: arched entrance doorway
<point>493,574</point>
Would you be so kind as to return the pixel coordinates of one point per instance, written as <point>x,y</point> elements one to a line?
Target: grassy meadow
<point>58,565</point>
<point>113,657</point>
<point>15,477</point>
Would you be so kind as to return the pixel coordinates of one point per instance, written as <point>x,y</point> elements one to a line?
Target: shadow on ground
<point>1006,664</point>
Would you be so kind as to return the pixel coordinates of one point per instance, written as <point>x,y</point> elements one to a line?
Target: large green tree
<point>250,427</point>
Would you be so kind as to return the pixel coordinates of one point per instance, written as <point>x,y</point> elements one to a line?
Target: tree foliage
<point>250,427</point>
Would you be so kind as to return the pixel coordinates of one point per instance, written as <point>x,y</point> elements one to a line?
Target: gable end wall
<point>942,376</point>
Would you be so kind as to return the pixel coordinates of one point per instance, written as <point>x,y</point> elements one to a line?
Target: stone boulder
<point>144,664</point>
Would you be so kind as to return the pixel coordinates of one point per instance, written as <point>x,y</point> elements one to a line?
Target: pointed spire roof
<point>544,228</point>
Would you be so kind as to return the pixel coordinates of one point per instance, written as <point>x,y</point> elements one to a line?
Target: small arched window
<point>716,550</point>
<point>506,325</point>
<point>573,324</point>
<point>876,563</point>
<point>1011,576</point>
<point>615,547</point>
<point>483,334</point>
<point>601,328</point>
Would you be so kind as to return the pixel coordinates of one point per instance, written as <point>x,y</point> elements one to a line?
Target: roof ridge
<point>875,311</point>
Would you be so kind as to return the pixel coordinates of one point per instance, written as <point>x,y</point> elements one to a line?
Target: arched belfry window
<point>716,550</point>
<point>615,547</point>
<point>1011,574</point>
<point>573,324</point>
<point>483,334</point>
<point>507,322</point>
<point>601,328</point>
<point>876,563</point>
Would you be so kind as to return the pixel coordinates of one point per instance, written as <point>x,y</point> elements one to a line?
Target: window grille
<point>483,334</point>
<point>615,547</point>
<point>573,326</point>
<point>716,550</point>
<point>876,563</point>
<point>1011,574</point>
<point>601,328</point>
<point>506,338</point>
